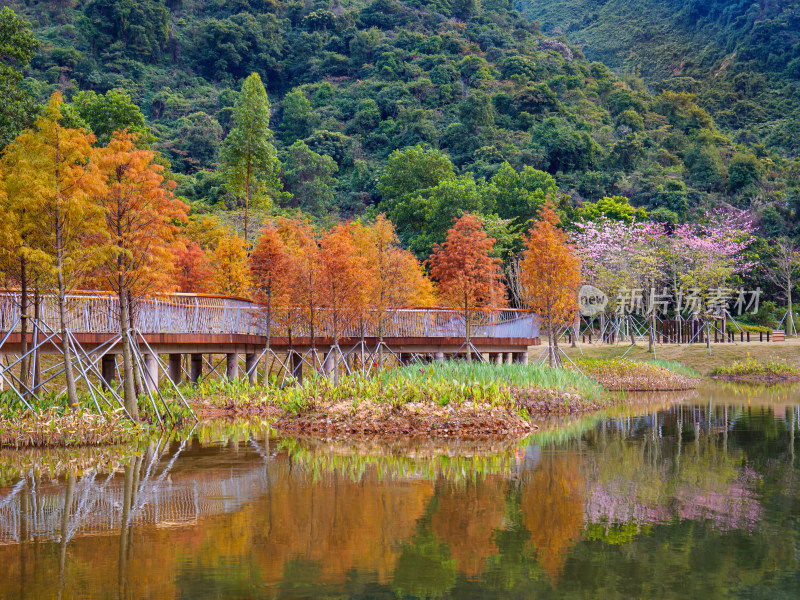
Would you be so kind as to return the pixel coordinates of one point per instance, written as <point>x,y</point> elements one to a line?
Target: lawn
<point>695,356</point>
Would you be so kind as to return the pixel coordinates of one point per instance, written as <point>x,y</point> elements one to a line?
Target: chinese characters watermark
<point>692,301</point>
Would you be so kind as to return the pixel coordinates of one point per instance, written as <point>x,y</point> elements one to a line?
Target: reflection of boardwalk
<point>30,511</point>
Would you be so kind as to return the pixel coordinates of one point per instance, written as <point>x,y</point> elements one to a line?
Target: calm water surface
<point>699,498</point>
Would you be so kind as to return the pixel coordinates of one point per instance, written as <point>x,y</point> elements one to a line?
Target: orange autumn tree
<point>305,269</point>
<point>140,213</point>
<point>231,274</point>
<point>193,272</point>
<point>396,278</point>
<point>270,268</point>
<point>54,171</point>
<point>468,276</point>
<point>344,278</point>
<point>549,275</point>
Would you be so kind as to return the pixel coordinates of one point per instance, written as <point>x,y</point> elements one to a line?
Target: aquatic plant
<point>51,428</point>
<point>751,367</point>
<point>620,374</point>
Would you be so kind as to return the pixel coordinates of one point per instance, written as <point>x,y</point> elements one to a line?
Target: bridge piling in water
<point>152,373</point>
<point>232,366</point>
<point>175,368</point>
<point>251,368</point>
<point>195,367</point>
<point>109,369</point>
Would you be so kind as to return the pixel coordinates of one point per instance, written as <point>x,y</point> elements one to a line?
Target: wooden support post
<point>252,368</point>
<point>175,368</point>
<point>151,373</point>
<point>108,369</point>
<point>486,357</point>
<point>438,357</point>
<point>297,367</point>
<point>748,337</point>
<point>498,358</point>
<point>232,366</point>
<point>509,358</point>
<point>196,367</point>
<point>522,357</point>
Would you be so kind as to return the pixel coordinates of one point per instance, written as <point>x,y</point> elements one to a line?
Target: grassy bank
<point>449,399</point>
<point>52,424</point>
<point>452,399</point>
<point>752,369</point>
<point>622,374</point>
<point>54,428</point>
<point>696,356</point>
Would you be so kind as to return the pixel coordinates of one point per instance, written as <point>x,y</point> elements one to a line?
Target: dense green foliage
<point>17,47</point>
<point>355,82</point>
<point>741,57</point>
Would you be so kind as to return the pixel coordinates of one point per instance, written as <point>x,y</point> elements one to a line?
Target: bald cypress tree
<point>250,160</point>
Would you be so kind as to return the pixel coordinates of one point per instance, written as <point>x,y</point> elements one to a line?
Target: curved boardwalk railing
<point>202,314</point>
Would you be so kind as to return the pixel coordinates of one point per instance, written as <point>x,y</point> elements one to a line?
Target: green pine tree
<point>249,158</point>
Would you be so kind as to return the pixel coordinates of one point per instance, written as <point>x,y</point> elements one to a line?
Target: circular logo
<point>591,301</point>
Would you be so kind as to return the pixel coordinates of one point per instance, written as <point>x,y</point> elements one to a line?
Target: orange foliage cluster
<point>136,237</point>
<point>550,273</point>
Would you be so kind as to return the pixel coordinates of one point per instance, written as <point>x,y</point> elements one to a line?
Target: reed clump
<point>53,428</point>
<point>750,368</point>
<point>450,399</point>
<point>620,374</point>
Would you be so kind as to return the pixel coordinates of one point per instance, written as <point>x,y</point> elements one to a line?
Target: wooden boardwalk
<point>187,329</point>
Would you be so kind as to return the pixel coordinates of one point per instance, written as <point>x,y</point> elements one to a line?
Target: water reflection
<point>696,499</point>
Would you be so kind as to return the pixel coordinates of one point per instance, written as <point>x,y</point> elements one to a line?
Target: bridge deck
<point>203,324</point>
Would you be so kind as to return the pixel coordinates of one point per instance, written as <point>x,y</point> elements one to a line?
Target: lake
<point>684,497</point>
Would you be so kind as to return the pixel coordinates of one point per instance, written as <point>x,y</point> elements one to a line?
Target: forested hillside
<point>509,114</point>
<point>741,57</point>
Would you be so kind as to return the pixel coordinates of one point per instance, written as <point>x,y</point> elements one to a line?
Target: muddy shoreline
<point>466,420</point>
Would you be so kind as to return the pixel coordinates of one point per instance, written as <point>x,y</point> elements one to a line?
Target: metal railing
<point>199,314</point>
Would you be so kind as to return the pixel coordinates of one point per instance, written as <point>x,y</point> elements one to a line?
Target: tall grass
<point>514,375</point>
<point>752,367</point>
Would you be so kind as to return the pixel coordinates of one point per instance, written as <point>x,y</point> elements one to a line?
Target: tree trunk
<point>576,330</point>
<point>790,328</point>
<point>466,329</point>
<point>380,342</point>
<point>550,335</point>
<point>72,391</point>
<point>651,332</point>
<point>37,363</point>
<point>137,375</point>
<point>363,341</point>
<point>128,386</point>
<point>24,368</point>
<point>247,205</point>
<point>334,349</point>
<point>269,334</point>
<point>602,327</point>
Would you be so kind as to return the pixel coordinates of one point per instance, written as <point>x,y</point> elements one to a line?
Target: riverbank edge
<point>367,418</point>
<point>771,378</point>
<point>506,410</point>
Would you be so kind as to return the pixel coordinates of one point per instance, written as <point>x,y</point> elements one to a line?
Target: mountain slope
<point>352,82</point>
<point>741,58</point>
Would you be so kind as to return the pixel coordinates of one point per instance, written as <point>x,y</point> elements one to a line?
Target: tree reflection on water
<point>695,499</point>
